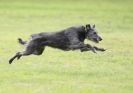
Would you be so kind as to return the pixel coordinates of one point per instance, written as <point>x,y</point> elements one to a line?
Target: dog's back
<point>71,32</point>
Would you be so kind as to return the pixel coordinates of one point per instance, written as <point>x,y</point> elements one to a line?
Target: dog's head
<point>91,33</point>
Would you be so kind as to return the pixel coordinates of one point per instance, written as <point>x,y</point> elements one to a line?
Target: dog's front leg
<point>88,48</point>
<point>77,46</point>
<point>83,47</point>
<point>99,49</point>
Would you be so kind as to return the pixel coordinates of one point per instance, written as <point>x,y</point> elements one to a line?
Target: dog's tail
<point>20,41</point>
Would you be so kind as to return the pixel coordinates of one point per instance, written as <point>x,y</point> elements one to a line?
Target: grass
<point>57,71</point>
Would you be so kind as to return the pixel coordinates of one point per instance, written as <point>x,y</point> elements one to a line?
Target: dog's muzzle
<point>96,40</point>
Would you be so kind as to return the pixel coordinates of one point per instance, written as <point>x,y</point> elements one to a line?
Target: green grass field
<point>57,71</point>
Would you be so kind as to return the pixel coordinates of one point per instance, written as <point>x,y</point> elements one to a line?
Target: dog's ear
<point>88,26</point>
<point>94,26</point>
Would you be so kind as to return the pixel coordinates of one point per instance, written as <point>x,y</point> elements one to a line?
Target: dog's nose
<point>100,39</point>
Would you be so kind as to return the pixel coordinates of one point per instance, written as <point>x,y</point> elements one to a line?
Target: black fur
<point>68,39</point>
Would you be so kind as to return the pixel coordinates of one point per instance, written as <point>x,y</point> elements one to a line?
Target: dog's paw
<point>102,49</point>
<point>93,50</point>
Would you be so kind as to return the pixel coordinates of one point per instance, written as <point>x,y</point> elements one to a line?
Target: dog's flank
<point>68,39</point>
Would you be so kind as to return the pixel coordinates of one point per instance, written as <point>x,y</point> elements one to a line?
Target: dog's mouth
<point>95,40</point>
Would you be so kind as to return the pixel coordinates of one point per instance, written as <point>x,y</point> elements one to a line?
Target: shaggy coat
<point>71,38</point>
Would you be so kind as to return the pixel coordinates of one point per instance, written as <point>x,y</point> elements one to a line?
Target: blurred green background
<point>57,71</point>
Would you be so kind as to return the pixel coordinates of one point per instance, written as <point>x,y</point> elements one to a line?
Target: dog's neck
<point>85,30</point>
<point>82,34</point>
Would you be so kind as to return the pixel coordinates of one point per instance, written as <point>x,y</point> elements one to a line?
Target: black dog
<point>68,39</point>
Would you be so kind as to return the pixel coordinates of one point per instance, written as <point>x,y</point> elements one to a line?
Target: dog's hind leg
<point>17,55</point>
<point>20,54</point>
<point>39,50</point>
<point>30,48</point>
